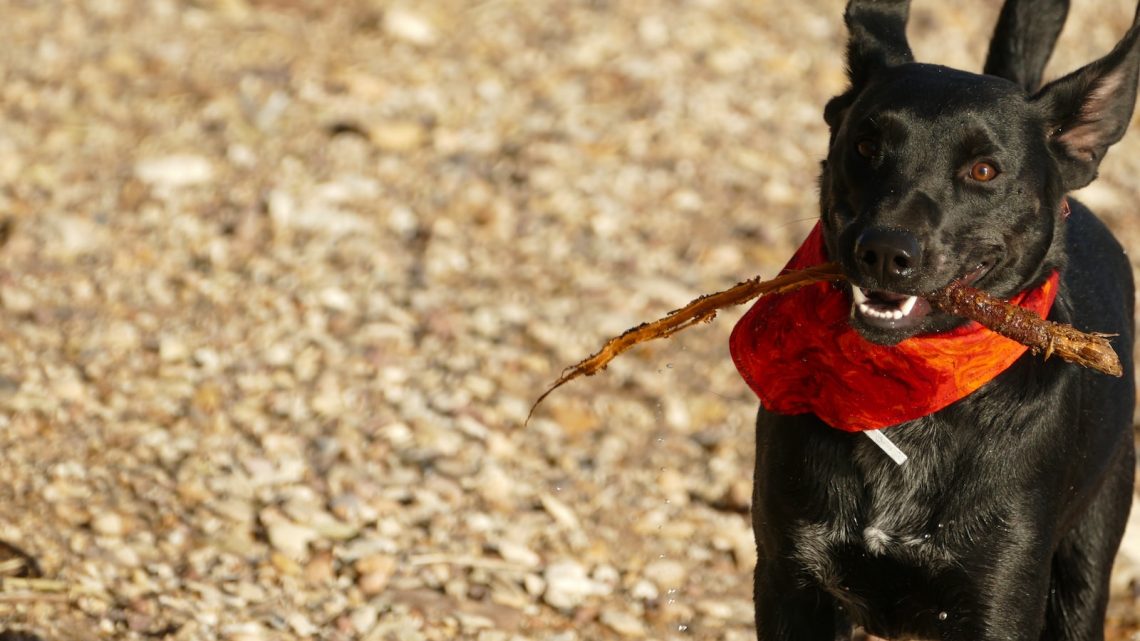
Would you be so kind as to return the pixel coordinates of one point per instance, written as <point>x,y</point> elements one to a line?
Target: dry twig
<point>1027,328</point>
<point>1011,321</point>
<point>701,310</point>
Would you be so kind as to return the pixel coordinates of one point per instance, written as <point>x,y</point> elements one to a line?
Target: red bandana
<point>798,352</point>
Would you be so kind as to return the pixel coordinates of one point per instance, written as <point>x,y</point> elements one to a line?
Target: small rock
<point>206,358</point>
<point>171,349</point>
<point>244,632</point>
<point>496,487</point>
<point>375,572</point>
<point>735,611</point>
<point>364,619</point>
<point>409,26</point>
<point>403,220</point>
<point>108,524</point>
<point>715,608</point>
<point>74,236</point>
<point>666,573</point>
<point>397,136</point>
<point>568,585</point>
<point>301,624</point>
<point>675,486</point>
<point>644,590</point>
<point>17,300</point>
<point>653,31</point>
<point>284,564</point>
<point>607,575</point>
<point>622,622</point>
<point>178,170</point>
<point>739,495</point>
<point>518,553</point>
<point>561,512</point>
<point>473,622</point>
<point>287,537</point>
<point>321,569</point>
<point>534,584</point>
<point>337,299</point>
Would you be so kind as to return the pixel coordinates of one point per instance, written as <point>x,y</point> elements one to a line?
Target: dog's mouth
<point>888,309</point>
<point>894,311</point>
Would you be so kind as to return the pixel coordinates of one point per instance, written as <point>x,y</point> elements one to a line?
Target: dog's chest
<point>888,538</point>
<point>886,527</point>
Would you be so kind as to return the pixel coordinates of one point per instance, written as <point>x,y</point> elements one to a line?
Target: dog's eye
<point>867,148</point>
<point>983,172</point>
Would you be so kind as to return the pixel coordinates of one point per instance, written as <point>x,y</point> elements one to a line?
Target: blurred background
<point>284,277</point>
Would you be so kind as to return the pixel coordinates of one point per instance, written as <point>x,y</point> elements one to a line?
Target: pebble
<point>172,349</point>
<point>375,571</point>
<point>622,622</point>
<point>108,524</point>
<point>410,26</point>
<point>397,136</point>
<point>364,619</point>
<point>301,624</point>
<point>715,608</point>
<point>289,538</point>
<point>561,512</point>
<point>75,236</point>
<point>244,632</point>
<point>644,590</point>
<point>176,170</point>
<point>17,300</point>
<point>518,553</point>
<point>321,568</point>
<point>568,585</point>
<point>535,585</point>
<point>285,564</point>
<point>667,574</point>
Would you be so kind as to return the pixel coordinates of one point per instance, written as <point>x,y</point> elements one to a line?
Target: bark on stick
<point>1027,328</point>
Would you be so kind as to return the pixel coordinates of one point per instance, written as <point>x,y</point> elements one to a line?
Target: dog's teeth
<point>867,309</point>
<point>908,305</point>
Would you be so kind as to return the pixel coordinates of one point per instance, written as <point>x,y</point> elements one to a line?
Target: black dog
<point>1005,521</point>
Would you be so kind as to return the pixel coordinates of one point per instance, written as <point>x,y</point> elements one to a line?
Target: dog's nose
<point>887,255</point>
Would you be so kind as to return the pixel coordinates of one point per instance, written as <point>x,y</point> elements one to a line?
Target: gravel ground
<point>285,275</point>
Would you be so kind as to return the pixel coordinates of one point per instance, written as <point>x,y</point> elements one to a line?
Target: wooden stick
<point>1011,321</point>
<point>701,310</point>
<point>1027,328</point>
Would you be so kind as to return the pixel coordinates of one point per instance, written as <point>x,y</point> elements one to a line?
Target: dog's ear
<point>1023,40</point>
<point>876,40</point>
<point>877,37</point>
<point>1088,110</point>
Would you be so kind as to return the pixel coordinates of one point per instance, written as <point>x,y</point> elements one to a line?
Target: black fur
<point>1024,38</point>
<point>1005,520</point>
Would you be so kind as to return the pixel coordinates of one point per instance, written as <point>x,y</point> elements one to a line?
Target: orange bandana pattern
<point>800,355</point>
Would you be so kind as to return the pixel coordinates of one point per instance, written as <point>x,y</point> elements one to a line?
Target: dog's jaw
<point>888,310</point>
<point>888,318</point>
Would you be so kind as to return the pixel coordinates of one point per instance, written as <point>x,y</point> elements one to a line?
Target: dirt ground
<point>284,277</point>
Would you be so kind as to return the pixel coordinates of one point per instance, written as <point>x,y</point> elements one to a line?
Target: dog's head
<point>936,175</point>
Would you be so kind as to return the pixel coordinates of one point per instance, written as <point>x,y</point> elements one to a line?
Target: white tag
<point>886,445</point>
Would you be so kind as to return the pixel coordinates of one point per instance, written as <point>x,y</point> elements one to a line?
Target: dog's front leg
<point>789,610</point>
<point>1006,595</point>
